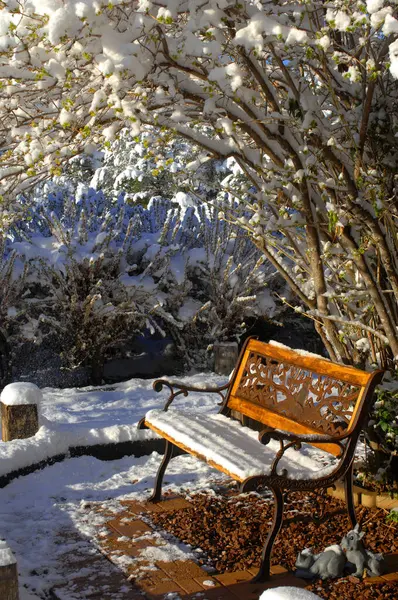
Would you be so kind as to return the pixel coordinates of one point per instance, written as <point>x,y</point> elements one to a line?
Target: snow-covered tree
<point>303,95</point>
<point>155,163</point>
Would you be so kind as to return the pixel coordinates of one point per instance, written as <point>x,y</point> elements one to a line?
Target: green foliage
<point>384,422</point>
<point>392,517</point>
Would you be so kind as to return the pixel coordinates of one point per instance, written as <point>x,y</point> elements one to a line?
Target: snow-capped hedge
<point>97,273</point>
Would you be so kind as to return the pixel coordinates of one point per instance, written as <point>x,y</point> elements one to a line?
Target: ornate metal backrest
<point>298,392</point>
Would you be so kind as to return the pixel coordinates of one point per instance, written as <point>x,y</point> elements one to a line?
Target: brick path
<point>123,574</point>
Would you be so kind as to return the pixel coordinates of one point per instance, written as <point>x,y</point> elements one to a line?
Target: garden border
<point>364,497</point>
<point>113,451</point>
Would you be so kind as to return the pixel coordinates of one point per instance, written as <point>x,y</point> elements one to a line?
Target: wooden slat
<point>312,363</point>
<point>276,421</point>
<point>210,462</point>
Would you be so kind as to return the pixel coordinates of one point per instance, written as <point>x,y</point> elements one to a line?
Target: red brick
<point>373,580</point>
<point>132,529</point>
<point>252,591</point>
<point>201,581</point>
<point>189,585</point>
<point>217,593</point>
<point>133,506</point>
<point>169,505</point>
<point>234,577</point>
<point>156,583</point>
<point>181,569</point>
<point>390,576</point>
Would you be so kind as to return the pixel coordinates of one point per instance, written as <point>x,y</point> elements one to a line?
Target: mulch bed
<point>231,530</point>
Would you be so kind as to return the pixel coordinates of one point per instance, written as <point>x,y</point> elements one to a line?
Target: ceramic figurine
<point>359,557</point>
<point>328,564</point>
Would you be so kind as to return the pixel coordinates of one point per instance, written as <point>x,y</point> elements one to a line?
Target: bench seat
<point>234,449</point>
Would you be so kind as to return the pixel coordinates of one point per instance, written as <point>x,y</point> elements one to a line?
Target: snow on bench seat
<point>235,449</point>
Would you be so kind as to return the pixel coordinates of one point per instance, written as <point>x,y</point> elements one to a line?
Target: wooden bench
<point>299,400</point>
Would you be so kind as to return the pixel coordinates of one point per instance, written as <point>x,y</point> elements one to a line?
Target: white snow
<point>15,394</point>
<point>50,518</point>
<point>288,593</point>
<point>6,556</point>
<point>90,416</point>
<point>297,350</point>
<point>374,5</point>
<point>234,448</point>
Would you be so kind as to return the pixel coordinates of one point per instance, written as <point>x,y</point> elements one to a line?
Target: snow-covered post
<point>19,415</point>
<point>8,573</point>
<point>225,357</point>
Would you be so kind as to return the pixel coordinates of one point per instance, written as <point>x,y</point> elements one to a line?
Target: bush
<point>381,468</point>
<point>102,272</point>
<point>12,285</point>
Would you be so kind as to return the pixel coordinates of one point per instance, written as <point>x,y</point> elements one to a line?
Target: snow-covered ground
<point>89,416</point>
<point>51,514</point>
<point>41,513</point>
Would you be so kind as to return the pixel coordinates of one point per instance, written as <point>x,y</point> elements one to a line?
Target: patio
<point>132,543</point>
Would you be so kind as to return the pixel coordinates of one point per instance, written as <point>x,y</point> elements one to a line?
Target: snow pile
<point>16,394</point>
<point>6,556</point>
<point>288,593</point>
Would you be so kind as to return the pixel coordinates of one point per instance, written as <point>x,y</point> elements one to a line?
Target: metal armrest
<point>313,438</point>
<point>185,389</point>
<point>288,440</point>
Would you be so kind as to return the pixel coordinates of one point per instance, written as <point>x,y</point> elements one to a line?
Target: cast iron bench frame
<point>331,422</point>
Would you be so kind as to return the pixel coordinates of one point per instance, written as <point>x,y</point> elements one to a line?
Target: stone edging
<point>101,451</point>
<point>363,497</point>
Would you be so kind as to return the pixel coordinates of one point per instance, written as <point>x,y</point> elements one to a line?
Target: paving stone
<point>252,591</point>
<point>206,578</point>
<point>234,577</point>
<point>104,582</point>
<point>133,529</point>
<point>133,506</point>
<point>373,580</point>
<point>181,569</point>
<point>169,504</point>
<point>218,593</point>
<point>130,548</point>
<point>157,584</point>
<point>278,570</point>
<point>390,577</point>
<point>189,585</point>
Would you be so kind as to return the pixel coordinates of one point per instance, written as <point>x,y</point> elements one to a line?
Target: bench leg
<point>349,498</point>
<point>264,571</point>
<point>168,455</point>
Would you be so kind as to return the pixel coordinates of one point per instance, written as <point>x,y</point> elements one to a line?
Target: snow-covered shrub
<point>77,260</point>
<point>381,434</point>
<point>12,286</point>
<point>211,275</point>
<point>102,271</point>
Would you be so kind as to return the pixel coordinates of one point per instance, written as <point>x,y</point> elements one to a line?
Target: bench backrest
<point>300,392</point>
